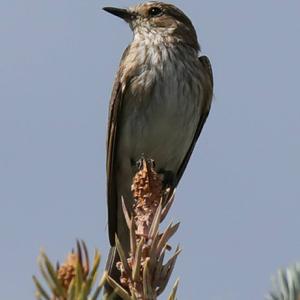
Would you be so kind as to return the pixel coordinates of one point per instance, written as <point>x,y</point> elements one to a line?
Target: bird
<point>161,98</point>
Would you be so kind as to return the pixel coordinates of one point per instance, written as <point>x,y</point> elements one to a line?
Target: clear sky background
<point>239,200</point>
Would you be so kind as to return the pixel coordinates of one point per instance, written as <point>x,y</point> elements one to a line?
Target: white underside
<point>160,124</point>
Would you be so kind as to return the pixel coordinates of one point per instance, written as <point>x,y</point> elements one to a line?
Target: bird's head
<point>157,19</point>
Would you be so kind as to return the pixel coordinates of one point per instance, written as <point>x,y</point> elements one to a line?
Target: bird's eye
<point>155,11</point>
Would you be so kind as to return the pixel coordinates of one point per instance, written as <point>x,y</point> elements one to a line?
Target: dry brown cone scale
<point>144,275</point>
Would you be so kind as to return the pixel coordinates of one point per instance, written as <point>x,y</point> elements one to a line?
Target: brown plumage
<point>160,101</point>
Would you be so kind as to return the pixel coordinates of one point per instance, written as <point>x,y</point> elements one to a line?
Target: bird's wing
<point>114,110</point>
<point>208,93</point>
<point>204,60</point>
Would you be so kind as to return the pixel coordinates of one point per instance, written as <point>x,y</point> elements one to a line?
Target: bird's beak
<point>121,13</point>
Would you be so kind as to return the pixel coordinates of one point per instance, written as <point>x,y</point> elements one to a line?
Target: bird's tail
<point>113,272</point>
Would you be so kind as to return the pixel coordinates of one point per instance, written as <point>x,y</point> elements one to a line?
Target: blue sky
<point>238,202</point>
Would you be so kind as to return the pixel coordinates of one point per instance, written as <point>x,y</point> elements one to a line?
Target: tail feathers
<point>112,270</point>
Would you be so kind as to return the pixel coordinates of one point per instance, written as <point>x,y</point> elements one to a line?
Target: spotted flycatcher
<point>160,101</point>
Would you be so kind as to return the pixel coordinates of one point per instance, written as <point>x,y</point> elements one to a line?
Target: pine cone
<point>147,184</point>
<point>66,272</point>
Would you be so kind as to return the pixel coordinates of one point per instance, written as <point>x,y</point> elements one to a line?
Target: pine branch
<point>73,280</point>
<point>145,274</point>
<point>286,285</point>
